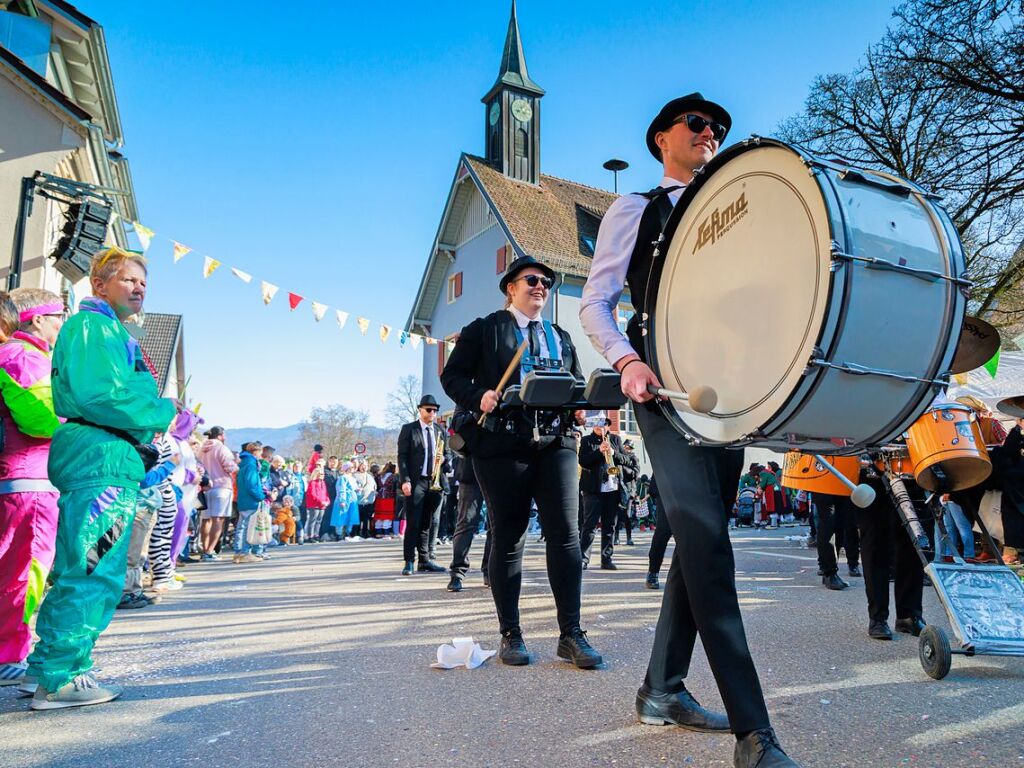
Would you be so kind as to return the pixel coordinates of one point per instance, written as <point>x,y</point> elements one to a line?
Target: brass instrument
<point>613,471</point>
<point>435,476</point>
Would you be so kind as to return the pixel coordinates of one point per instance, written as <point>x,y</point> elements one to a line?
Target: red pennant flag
<point>294,300</point>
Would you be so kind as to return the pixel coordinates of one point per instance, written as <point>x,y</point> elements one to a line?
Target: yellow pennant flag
<point>342,317</point>
<point>180,251</point>
<point>145,235</point>
<point>364,325</point>
<point>385,331</point>
<point>415,339</point>
<point>960,378</point>
<point>430,340</point>
<point>319,310</point>
<point>209,266</point>
<point>268,291</point>
<point>245,277</point>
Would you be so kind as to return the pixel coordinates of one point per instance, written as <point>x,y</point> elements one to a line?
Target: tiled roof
<point>548,221</point>
<point>161,342</point>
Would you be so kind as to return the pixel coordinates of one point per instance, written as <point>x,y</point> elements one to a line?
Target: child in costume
<point>345,512</point>
<point>101,386</point>
<point>146,509</point>
<point>285,519</point>
<point>28,502</point>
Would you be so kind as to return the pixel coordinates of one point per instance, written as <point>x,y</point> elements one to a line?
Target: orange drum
<point>989,427</point>
<point>897,463</point>
<point>947,449</point>
<point>803,472</point>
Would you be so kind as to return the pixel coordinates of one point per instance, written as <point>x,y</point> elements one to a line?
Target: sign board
<point>360,448</point>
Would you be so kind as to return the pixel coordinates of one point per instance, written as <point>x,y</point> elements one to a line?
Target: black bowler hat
<point>428,401</point>
<point>694,102</point>
<point>518,266</point>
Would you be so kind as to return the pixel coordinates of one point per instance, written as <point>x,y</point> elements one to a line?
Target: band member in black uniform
<point>418,453</point>
<point>522,455</point>
<point>659,542</point>
<point>470,503</point>
<point>836,518</point>
<point>630,474</point>
<point>600,460</point>
<point>697,484</point>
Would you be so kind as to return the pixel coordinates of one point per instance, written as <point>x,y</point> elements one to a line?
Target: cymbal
<point>978,342</point>
<point>1012,406</point>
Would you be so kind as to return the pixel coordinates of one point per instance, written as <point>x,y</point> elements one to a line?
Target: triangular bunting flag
<point>416,339</point>
<point>180,251</point>
<point>209,266</point>
<point>430,340</point>
<point>364,325</point>
<point>145,235</point>
<point>319,310</point>
<point>342,317</point>
<point>993,365</point>
<point>294,300</point>
<point>961,379</point>
<point>245,277</point>
<point>402,338</point>
<point>268,290</point>
<point>385,331</point>
<point>449,346</point>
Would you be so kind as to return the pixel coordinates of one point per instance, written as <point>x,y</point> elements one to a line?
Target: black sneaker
<point>855,571</point>
<point>652,581</point>
<point>512,650</point>
<point>455,585</point>
<point>576,648</point>
<point>879,630</point>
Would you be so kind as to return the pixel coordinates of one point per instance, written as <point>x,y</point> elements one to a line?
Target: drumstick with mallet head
<point>700,399</point>
<point>507,375</point>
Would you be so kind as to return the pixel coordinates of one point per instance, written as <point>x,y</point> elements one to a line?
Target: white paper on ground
<point>462,652</point>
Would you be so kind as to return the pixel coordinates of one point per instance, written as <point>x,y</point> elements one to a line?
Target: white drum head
<point>744,290</point>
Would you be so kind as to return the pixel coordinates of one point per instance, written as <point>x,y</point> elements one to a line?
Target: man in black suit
<point>417,443</point>
<point>602,488</point>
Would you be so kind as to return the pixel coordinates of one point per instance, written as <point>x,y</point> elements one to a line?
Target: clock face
<point>495,113</point>
<point>521,110</point>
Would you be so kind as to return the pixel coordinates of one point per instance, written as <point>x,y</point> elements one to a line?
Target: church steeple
<point>513,112</point>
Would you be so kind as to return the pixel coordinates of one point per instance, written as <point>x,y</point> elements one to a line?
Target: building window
<point>454,287</point>
<point>627,419</point>
<point>504,258</point>
<point>624,316</point>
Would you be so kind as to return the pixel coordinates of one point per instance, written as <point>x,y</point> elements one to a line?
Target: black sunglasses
<point>697,124</point>
<point>533,280</point>
<point>430,410</point>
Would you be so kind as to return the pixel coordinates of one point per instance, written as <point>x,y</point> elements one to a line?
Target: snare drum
<point>805,473</point>
<point>822,303</point>
<point>896,462</point>
<point>947,449</point>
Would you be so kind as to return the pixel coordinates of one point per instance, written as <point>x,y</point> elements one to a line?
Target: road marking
<point>776,554</point>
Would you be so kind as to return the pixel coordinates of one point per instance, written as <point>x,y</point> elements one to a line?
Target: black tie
<point>534,338</point>
<point>430,451</point>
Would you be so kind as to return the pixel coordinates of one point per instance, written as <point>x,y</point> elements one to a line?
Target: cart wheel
<point>933,650</point>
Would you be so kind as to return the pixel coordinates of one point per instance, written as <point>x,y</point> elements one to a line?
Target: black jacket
<point>484,350</point>
<point>594,463</point>
<point>412,452</point>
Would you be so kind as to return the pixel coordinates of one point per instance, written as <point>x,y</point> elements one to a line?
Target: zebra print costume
<point>160,558</point>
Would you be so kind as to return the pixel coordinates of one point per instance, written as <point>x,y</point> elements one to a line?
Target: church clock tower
<point>512,113</point>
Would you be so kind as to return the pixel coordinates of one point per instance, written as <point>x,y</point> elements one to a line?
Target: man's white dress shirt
<point>428,445</point>
<point>523,322</point>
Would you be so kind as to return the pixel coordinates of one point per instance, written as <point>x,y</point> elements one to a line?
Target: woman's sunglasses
<point>534,280</point>
<point>697,124</point>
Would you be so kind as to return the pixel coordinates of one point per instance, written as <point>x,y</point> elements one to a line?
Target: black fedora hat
<point>428,401</point>
<point>694,102</point>
<point>518,266</point>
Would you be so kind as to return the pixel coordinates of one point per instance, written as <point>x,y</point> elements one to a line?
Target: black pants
<point>836,517</point>
<point>325,524</point>
<point>366,520</point>
<point>434,524</point>
<point>420,509</point>
<point>884,543</point>
<point>625,520</point>
<point>698,486</point>
<point>468,524</point>
<point>449,513</point>
<point>509,484</point>
<point>600,508</point>
<point>659,542</point>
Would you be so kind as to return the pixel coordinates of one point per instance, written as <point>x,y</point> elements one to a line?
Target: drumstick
<point>700,399</point>
<point>507,375</point>
<point>862,495</point>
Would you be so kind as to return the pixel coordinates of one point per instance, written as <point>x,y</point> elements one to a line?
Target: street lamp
<point>615,166</point>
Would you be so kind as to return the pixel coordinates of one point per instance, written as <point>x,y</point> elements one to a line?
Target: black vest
<point>652,222</point>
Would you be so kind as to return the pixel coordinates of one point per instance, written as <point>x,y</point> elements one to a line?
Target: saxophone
<point>613,471</point>
<point>435,476</point>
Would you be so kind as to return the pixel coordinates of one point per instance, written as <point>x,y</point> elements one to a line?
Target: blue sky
<point>312,145</point>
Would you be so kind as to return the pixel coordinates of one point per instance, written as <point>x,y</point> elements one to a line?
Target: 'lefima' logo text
<point>719,222</point>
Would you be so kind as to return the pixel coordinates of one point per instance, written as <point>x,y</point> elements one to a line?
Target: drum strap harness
<point>536,362</point>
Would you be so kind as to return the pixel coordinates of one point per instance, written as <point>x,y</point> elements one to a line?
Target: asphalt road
<point>321,657</point>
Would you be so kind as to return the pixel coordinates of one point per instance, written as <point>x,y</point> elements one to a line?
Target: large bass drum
<point>822,303</point>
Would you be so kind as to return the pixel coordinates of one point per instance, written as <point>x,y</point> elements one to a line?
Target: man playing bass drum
<point>523,454</point>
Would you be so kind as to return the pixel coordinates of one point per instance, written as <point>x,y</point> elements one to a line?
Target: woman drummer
<point>522,454</point>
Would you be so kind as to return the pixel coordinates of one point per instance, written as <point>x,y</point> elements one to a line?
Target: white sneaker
<point>80,692</point>
<point>13,673</point>
<point>170,585</point>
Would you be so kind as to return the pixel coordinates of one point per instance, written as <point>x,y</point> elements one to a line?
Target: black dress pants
<point>698,486</point>
<point>420,510</point>
<point>836,517</point>
<point>509,484</point>
<point>468,524</point>
<point>603,509</point>
<point>882,538</point>
<point>659,542</point>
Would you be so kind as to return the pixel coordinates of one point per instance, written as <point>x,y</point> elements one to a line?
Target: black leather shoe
<point>855,571</point>
<point>656,708</point>
<point>608,565</point>
<point>652,581</point>
<point>760,749</point>
<point>629,543</point>
<point>487,580</point>
<point>585,564</point>
<point>407,571</point>
<point>821,572</point>
<point>879,630</point>
<point>455,585</point>
<point>512,650</point>
<point>574,647</point>
<point>911,626</point>
<point>834,582</point>
<point>430,567</point>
